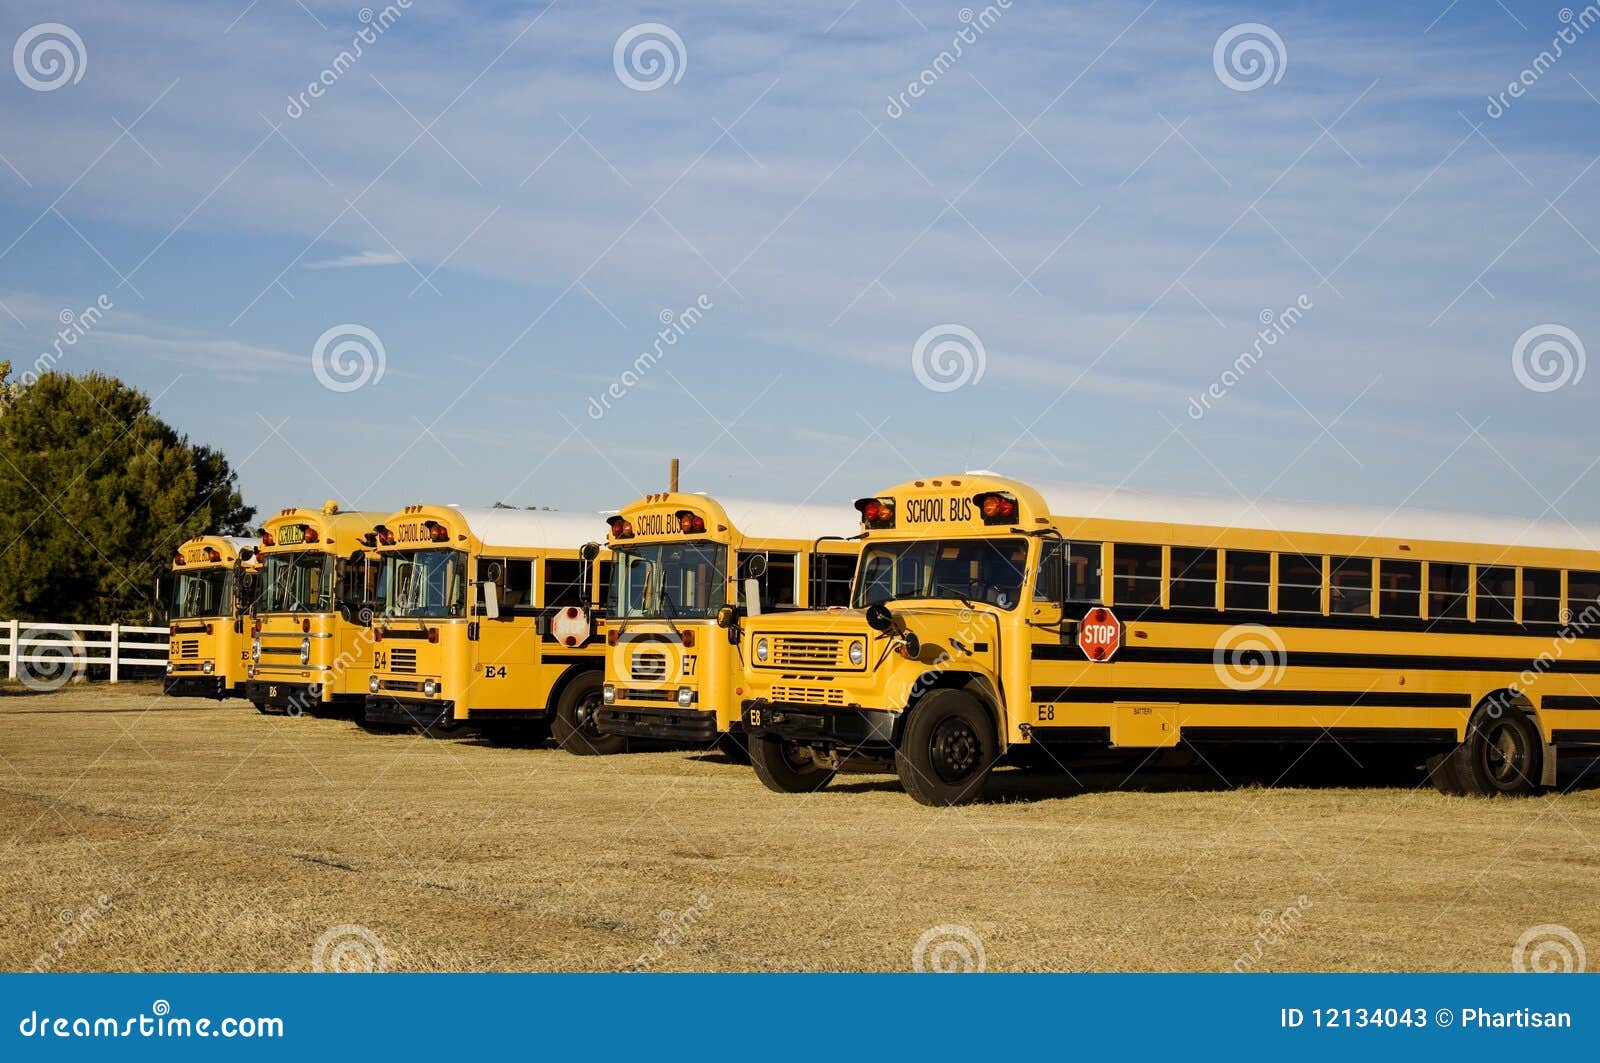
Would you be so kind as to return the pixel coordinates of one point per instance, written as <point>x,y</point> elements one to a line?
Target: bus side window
<point>517,588</point>
<point>1299,584</point>
<point>1248,581</point>
<point>1138,575</point>
<point>1583,597</point>
<point>1083,572</point>
<point>1350,586</point>
<point>830,579</point>
<point>1047,585</point>
<point>1497,593</point>
<point>563,583</point>
<point>1194,578</point>
<point>1447,591</point>
<point>1541,595</point>
<point>607,570</point>
<point>777,579</point>
<point>1400,589</point>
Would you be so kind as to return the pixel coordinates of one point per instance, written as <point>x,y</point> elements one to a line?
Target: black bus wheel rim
<point>954,750</point>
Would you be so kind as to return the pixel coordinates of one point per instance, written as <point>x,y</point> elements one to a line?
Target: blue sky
<point>1081,190</point>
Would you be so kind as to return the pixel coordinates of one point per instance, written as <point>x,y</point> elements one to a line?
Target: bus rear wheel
<point>1503,755</point>
<point>784,767</point>
<point>575,726</point>
<point>947,749</point>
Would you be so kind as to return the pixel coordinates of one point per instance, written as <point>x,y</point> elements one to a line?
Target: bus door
<point>504,669</point>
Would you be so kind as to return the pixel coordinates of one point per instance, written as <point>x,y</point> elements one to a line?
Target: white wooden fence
<point>79,647</point>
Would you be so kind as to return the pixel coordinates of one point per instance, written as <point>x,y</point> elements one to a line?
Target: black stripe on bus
<point>568,658</point>
<point>1211,696</point>
<point>1232,735</point>
<point>1417,662</point>
<point>1575,737</point>
<point>1568,701</point>
<point>1155,614</point>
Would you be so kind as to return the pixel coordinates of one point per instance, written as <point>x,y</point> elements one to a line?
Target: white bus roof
<point>1081,500</point>
<point>532,527</point>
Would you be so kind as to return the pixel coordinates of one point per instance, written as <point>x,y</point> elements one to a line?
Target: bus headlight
<point>169,668</point>
<point>305,651</point>
<point>858,653</point>
<point>685,697</point>
<point>208,668</point>
<point>608,693</point>
<point>761,649</point>
<point>255,648</point>
<point>429,688</point>
<point>372,683</point>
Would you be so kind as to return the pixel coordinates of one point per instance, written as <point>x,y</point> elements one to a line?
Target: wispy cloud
<point>364,258</point>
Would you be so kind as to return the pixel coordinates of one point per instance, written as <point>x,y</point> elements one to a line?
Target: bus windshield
<point>988,571</point>
<point>205,592</point>
<point>423,583</point>
<point>669,581</point>
<point>301,581</point>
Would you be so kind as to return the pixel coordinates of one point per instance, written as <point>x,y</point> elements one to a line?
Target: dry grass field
<point>225,840</point>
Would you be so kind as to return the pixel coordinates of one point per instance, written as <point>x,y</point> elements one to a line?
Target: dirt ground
<point>146,833</point>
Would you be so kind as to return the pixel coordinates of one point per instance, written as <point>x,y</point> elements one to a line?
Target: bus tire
<point>1445,772</point>
<point>574,727</point>
<point>784,769</point>
<point>947,749</point>
<point>1503,753</point>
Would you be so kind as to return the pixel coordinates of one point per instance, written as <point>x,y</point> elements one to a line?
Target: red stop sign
<point>1100,634</point>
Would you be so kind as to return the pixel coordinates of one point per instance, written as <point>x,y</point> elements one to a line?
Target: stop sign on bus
<point>1100,634</point>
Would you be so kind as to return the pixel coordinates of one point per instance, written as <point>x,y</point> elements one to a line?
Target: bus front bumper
<point>389,711</point>
<point>290,698</point>
<point>214,687</point>
<point>820,725</point>
<point>674,725</point>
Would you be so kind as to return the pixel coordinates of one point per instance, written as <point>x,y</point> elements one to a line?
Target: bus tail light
<point>308,533</point>
<point>267,539</point>
<point>385,536</point>
<point>305,625</point>
<point>621,527</point>
<point>433,635</point>
<point>213,555</point>
<point>876,512</point>
<point>688,638</point>
<point>997,507</point>
<point>690,523</point>
<point>612,637</point>
<point>208,629</point>
<point>177,559</point>
<point>377,634</point>
<point>437,532</point>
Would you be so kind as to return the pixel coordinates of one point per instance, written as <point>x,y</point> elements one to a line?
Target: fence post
<point>13,629</point>
<point>116,650</point>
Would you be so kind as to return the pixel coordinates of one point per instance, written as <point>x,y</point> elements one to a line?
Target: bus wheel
<point>784,767</point>
<point>1503,755</point>
<point>947,749</point>
<point>574,726</point>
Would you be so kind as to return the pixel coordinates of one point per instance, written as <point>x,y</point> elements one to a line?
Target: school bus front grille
<point>403,660</point>
<point>808,695</point>
<point>645,694</point>
<point>649,667</point>
<point>188,649</point>
<point>807,651</point>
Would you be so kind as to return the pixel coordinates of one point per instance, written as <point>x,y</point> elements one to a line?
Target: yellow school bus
<point>680,560</point>
<point>312,643</point>
<point>486,617</point>
<point>213,586</point>
<point>989,617</point>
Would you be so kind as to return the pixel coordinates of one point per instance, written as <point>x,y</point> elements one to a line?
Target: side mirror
<point>491,601</point>
<point>878,617</point>
<point>755,565</point>
<point>727,616</point>
<point>589,551</point>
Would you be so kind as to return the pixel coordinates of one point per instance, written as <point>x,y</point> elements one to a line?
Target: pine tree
<point>96,493</point>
